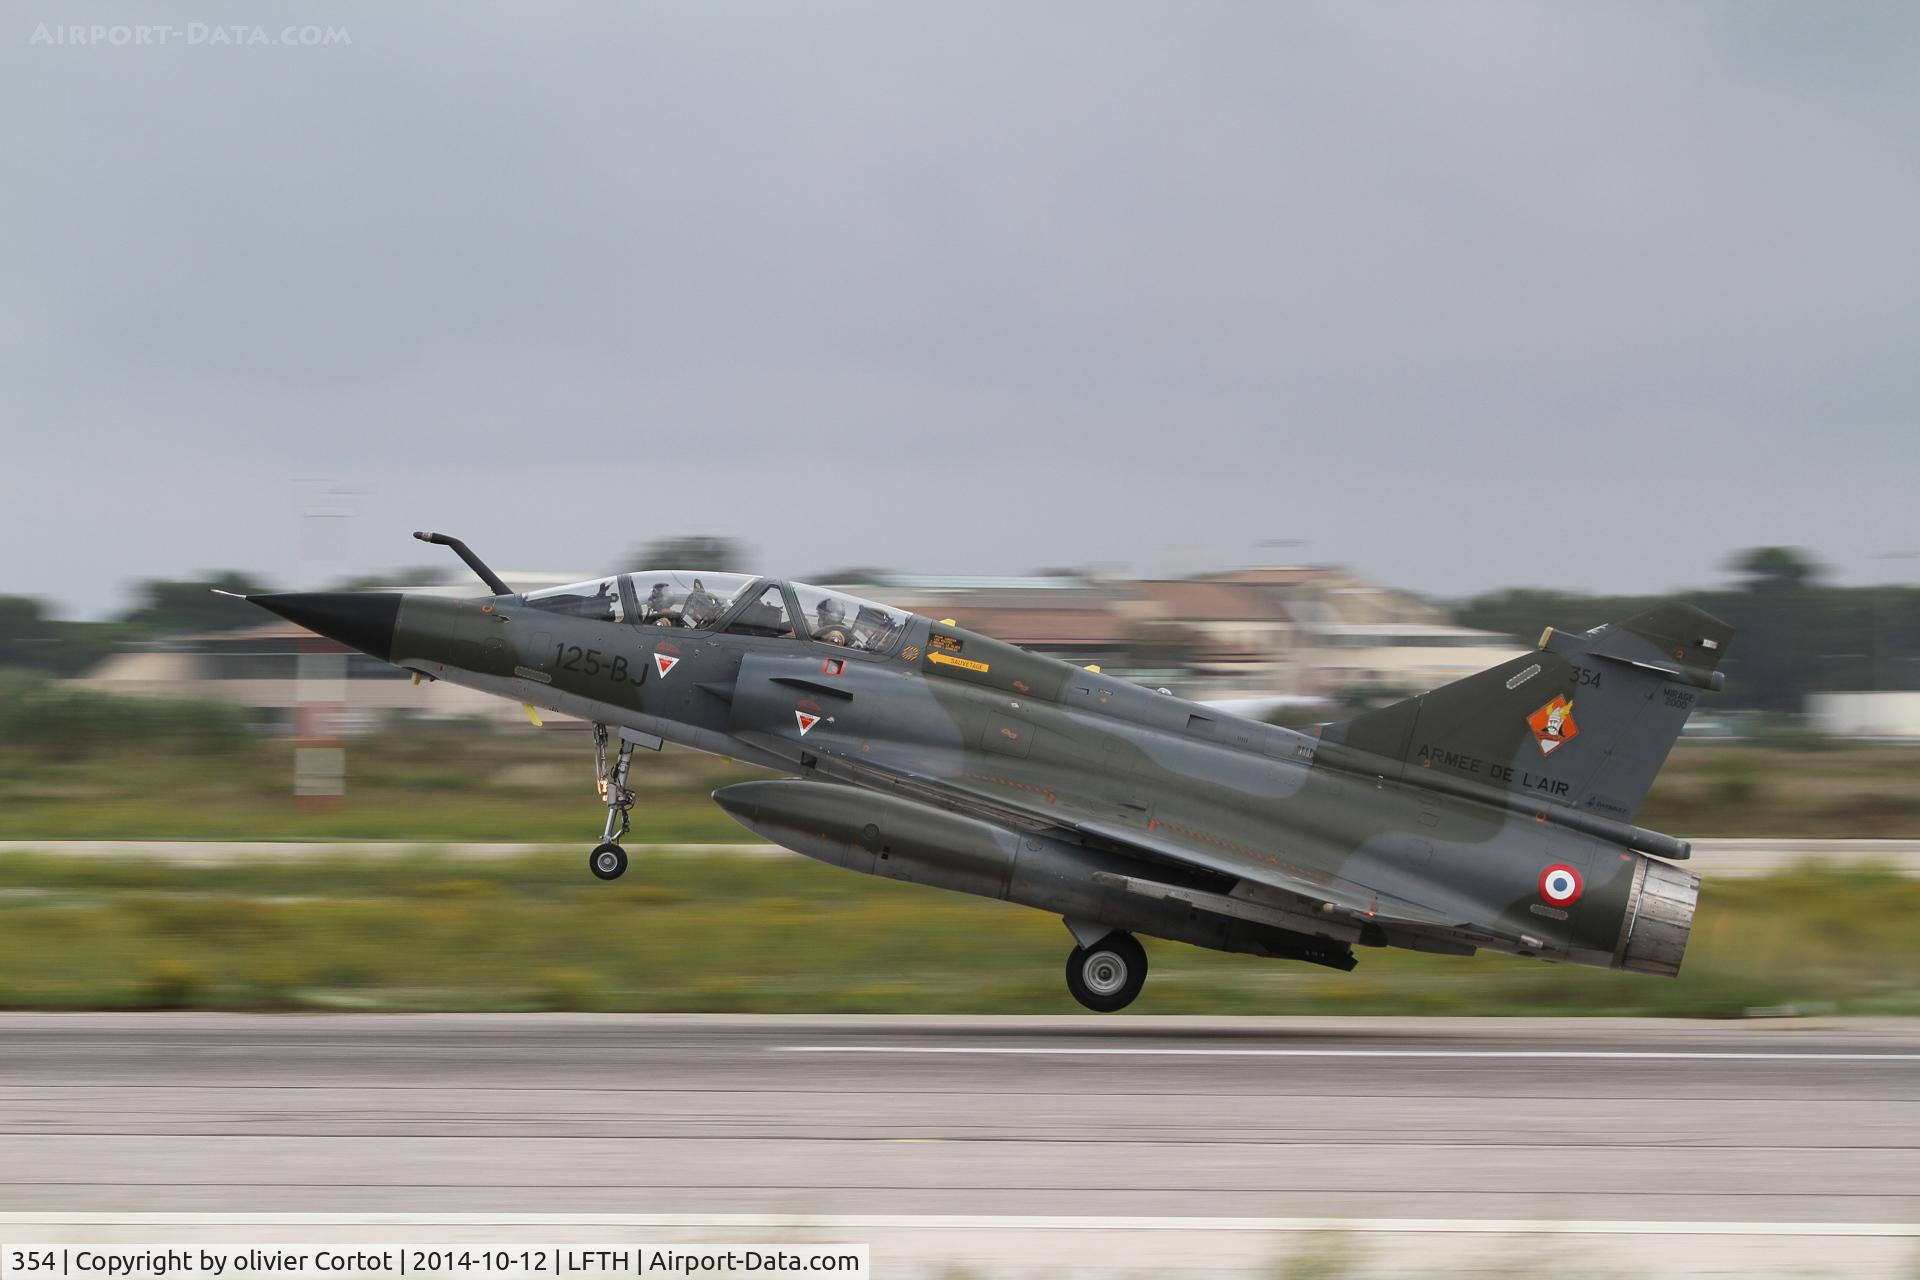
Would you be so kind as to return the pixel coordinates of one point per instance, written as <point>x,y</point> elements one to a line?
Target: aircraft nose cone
<point>362,620</point>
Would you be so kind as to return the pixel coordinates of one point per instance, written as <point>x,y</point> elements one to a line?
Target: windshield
<point>647,597</point>
<point>848,621</point>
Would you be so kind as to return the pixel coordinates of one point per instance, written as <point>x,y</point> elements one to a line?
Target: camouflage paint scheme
<point>1491,813</point>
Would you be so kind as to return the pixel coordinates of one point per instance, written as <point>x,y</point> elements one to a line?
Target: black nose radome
<point>362,620</point>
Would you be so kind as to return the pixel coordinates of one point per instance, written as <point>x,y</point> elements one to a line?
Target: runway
<point>1695,1140</point>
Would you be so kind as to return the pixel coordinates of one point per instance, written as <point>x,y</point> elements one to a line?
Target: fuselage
<point>1086,776</point>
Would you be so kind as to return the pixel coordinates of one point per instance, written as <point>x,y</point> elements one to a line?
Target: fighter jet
<point>1495,813</point>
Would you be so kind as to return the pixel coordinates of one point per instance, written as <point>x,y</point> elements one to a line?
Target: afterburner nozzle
<point>1659,918</point>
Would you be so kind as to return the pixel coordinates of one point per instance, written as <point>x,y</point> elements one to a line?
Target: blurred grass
<point>1813,790</point>
<point>738,934</point>
<point>481,783</point>
<point>59,721</point>
<point>447,783</point>
<point>722,933</point>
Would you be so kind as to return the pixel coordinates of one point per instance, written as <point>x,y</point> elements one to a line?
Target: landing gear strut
<point>608,860</point>
<point>1107,975</point>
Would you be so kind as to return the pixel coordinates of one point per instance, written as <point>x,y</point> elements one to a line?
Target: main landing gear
<point>1106,975</point>
<point>608,860</point>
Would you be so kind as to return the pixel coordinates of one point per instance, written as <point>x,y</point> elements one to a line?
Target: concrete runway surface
<point>1043,1146</point>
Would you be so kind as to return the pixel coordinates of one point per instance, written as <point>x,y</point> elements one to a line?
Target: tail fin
<point>1585,721</point>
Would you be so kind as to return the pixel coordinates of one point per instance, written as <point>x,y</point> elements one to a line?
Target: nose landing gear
<point>608,860</point>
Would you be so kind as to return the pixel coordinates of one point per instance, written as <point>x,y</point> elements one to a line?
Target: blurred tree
<point>419,575</point>
<point>1775,569</point>
<point>1160,645</point>
<point>27,634</point>
<point>855,575</point>
<point>65,721</point>
<point>1522,612</point>
<point>1356,698</point>
<point>172,608</point>
<point>1787,645</point>
<point>1797,635</point>
<point>1896,633</point>
<point>693,551</point>
<point>31,638</point>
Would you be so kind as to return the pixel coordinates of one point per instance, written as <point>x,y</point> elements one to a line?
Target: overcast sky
<point>1463,295</point>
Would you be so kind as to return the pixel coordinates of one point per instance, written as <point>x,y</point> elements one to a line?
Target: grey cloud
<point>1466,294</point>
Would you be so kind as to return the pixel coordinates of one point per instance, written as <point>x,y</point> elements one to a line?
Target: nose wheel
<point>608,860</point>
<point>1106,976</point>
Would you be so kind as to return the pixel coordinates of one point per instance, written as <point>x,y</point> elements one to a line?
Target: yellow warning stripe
<point>947,659</point>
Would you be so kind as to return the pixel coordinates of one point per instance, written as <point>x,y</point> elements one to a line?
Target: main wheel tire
<point>608,861</point>
<point>1109,974</point>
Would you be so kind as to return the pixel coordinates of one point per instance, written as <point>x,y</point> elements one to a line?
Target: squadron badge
<point>1553,725</point>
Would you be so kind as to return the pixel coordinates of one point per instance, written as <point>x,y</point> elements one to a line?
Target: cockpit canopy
<point>733,602</point>
<point>664,597</point>
<point>848,622</point>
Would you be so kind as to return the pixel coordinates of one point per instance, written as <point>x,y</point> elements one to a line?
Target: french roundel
<point>1560,885</point>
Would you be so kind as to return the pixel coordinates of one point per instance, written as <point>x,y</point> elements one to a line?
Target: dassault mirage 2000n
<point>1495,812</point>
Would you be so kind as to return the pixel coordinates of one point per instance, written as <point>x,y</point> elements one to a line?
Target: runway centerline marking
<point>1093,1051</point>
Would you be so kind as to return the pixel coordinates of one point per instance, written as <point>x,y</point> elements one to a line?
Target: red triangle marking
<point>665,663</point>
<point>806,721</point>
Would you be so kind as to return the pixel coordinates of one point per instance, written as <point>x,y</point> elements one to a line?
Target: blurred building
<point>1311,631</point>
<point>1884,715</point>
<point>258,667</point>
<point>1402,657</point>
<point>1071,618</point>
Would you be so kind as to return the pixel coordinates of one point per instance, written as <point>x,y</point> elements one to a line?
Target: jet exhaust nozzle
<point>1659,918</point>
